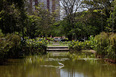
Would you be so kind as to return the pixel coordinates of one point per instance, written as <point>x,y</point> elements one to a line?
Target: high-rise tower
<point>51,5</point>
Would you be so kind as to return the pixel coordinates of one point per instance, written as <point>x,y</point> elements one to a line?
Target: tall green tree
<point>70,8</point>
<point>104,5</point>
<point>40,22</point>
<point>86,23</point>
<point>32,27</point>
<point>47,19</point>
<point>12,15</point>
<point>112,19</point>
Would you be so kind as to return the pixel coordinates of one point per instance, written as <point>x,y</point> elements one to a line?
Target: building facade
<point>51,5</point>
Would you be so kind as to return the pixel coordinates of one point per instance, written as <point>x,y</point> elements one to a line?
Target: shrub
<point>101,43</point>
<point>88,44</point>
<point>10,46</point>
<point>106,45</point>
<point>74,46</point>
<point>78,46</point>
<point>111,51</point>
<point>35,46</point>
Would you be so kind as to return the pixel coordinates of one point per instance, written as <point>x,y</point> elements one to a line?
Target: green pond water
<point>58,65</point>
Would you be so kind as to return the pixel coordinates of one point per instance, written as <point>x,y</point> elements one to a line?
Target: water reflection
<point>57,67</point>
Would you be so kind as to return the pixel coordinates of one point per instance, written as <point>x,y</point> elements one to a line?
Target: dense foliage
<point>99,17</point>
<point>36,46</point>
<point>12,16</point>
<point>78,45</point>
<point>104,44</point>
<point>16,23</point>
<point>86,23</point>
<point>11,46</point>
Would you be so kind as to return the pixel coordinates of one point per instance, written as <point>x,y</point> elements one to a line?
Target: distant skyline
<point>51,5</point>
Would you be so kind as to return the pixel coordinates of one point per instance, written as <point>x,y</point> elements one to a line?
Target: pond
<point>57,65</point>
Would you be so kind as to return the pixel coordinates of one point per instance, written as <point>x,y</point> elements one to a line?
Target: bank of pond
<point>12,46</point>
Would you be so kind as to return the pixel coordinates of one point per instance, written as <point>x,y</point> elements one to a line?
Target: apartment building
<point>51,5</point>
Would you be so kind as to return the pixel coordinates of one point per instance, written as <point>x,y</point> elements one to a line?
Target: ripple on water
<point>56,59</point>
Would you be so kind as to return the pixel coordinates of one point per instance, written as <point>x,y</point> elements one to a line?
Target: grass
<point>58,43</point>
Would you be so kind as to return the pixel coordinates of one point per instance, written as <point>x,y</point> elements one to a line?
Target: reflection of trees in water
<point>89,68</point>
<point>49,72</point>
<point>79,68</point>
<point>28,70</point>
<point>71,72</point>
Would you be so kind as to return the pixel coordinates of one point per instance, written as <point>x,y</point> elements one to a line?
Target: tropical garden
<point>23,33</point>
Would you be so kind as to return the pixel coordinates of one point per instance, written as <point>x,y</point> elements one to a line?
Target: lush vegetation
<point>11,46</point>
<point>36,46</point>
<point>99,17</point>
<point>104,44</point>
<point>58,43</point>
<point>78,45</point>
<point>16,23</point>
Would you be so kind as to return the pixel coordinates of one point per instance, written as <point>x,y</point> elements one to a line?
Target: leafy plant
<point>78,46</point>
<point>111,51</point>
<point>10,46</point>
<point>36,46</point>
<point>101,43</point>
